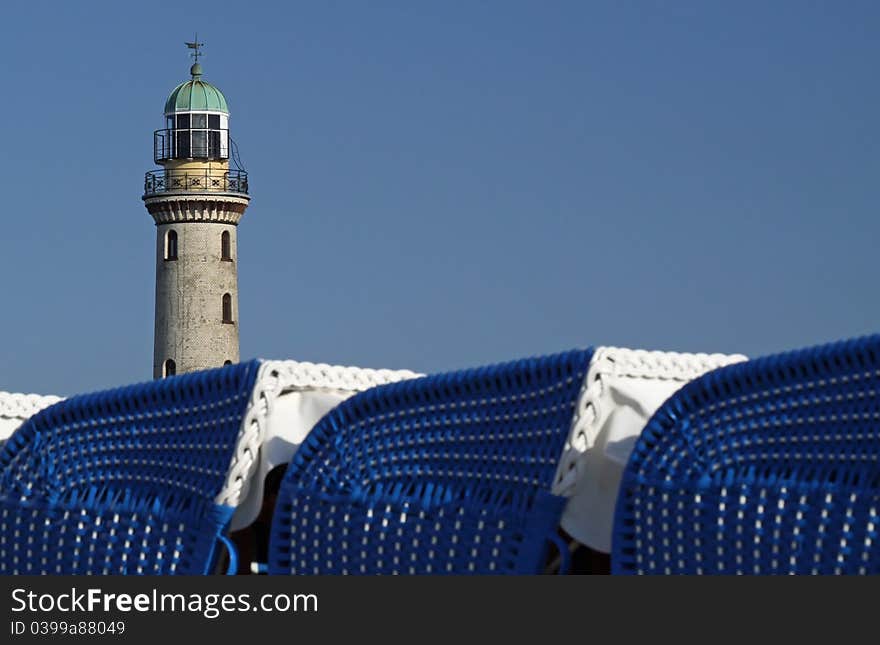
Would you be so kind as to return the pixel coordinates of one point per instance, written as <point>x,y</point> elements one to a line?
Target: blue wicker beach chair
<point>443,474</point>
<point>126,481</point>
<point>764,467</point>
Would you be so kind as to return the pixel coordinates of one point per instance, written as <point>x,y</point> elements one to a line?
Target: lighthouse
<point>196,200</point>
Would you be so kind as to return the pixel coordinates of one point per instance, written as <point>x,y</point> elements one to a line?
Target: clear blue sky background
<point>438,185</point>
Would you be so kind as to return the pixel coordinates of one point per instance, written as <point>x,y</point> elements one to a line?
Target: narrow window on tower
<point>171,245</point>
<point>225,250</point>
<point>227,308</point>
<point>170,368</point>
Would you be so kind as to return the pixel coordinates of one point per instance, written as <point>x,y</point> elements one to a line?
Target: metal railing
<point>193,180</point>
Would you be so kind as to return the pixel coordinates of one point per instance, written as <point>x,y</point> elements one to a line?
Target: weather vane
<point>195,45</point>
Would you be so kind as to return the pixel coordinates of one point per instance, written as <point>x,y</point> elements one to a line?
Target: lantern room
<point>196,123</point>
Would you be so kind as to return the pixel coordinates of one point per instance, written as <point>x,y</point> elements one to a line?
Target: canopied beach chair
<point>450,473</point>
<point>147,479</point>
<point>136,480</point>
<point>765,467</point>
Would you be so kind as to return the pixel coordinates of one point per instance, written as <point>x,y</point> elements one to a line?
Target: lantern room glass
<point>194,135</point>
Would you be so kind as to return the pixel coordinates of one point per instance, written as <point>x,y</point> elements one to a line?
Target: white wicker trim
<point>589,414</point>
<point>274,379</point>
<point>293,375</point>
<point>24,406</point>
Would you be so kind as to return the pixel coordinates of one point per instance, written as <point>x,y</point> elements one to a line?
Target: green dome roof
<point>195,95</point>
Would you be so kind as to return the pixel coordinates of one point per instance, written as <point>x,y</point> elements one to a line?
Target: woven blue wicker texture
<point>765,467</point>
<point>123,481</point>
<point>443,474</point>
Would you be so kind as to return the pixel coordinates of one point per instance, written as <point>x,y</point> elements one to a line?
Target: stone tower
<point>196,201</point>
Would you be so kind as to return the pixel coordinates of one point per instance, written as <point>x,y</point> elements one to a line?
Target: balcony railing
<point>209,181</point>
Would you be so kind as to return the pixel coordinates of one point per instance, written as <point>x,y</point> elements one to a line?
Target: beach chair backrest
<point>763,467</point>
<point>134,480</point>
<point>449,473</point>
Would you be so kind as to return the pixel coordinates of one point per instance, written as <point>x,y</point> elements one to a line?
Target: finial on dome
<point>196,69</point>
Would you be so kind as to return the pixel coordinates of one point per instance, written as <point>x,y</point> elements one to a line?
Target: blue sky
<point>443,184</point>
